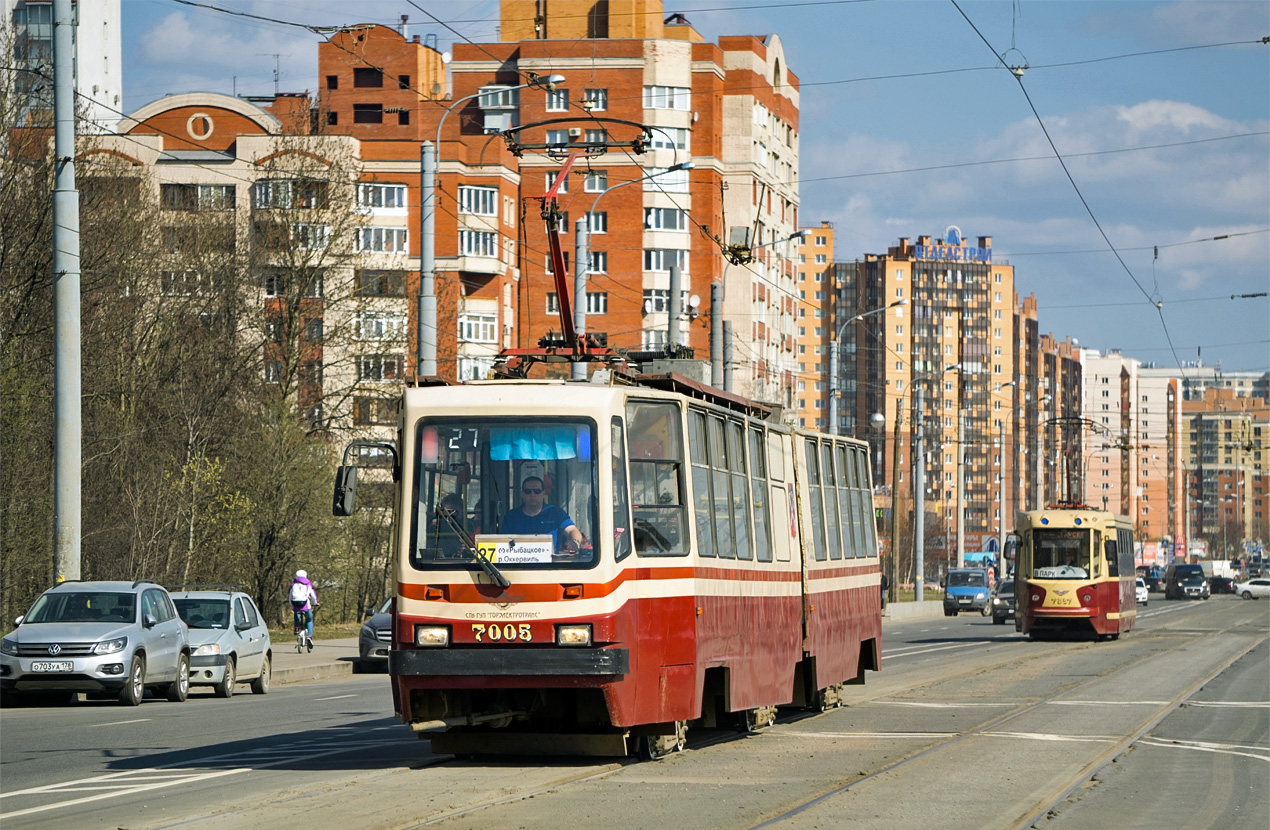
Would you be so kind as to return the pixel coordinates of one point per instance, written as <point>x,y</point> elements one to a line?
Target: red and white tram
<point>727,565</point>
<point>1075,572</point>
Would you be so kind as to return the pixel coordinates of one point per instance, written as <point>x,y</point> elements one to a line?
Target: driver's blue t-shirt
<point>551,519</point>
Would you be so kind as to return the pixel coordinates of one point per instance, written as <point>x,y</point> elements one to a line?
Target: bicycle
<point>301,630</point>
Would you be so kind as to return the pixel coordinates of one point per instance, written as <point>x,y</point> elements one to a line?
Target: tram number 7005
<point>494,633</point>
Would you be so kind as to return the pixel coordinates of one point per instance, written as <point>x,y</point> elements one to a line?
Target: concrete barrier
<point>913,610</point>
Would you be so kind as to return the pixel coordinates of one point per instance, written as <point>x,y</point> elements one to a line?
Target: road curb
<point>319,671</point>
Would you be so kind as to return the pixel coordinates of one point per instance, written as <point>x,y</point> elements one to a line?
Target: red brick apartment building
<point>729,108</point>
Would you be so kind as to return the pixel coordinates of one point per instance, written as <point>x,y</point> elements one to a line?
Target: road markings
<point>904,652</point>
<point>1220,704</point>
<point>117,785</point>
<point>337,697</point>
<point>1108,702</point>
<point>1043,736</point>
<point>873,735</point>
<point>118,723</point>
<point>941,705</point>
<point>1257,754</point>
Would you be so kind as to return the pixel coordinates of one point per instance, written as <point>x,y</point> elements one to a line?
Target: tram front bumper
<point>510,662</point>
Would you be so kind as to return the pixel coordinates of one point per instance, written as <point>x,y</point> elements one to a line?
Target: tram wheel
<point>656,747</point>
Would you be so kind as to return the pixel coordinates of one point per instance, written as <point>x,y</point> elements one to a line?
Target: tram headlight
<point>432,635</point>
<point>573,635</point>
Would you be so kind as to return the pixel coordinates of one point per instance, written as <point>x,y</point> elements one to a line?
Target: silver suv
<point>229,641</point>
<point>99,637</point>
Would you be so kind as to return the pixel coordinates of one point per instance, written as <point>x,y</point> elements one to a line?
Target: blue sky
<point>1160,111</point>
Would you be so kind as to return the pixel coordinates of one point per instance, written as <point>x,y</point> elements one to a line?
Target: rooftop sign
<point>952,249</point>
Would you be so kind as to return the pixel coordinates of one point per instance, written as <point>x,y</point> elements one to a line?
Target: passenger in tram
<point>535,516</point>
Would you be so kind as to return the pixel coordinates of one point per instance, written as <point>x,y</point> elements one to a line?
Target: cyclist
<point>303,600</point>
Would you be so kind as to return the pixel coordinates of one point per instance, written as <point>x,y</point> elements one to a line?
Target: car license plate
<point>964,600</point>
<point>61,665</point>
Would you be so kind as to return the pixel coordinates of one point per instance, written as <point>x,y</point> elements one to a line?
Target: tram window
<point>701,499</point>
<point>621,503</point>
<point>815,505</point>
<point>655,438</point>
<point>740,491</point>
<point>833,521</point>
<point>1060,553</point>
<point>721,505</point>
<point>758,481</point>
<point>852,546</point>
<point>864,498</point>
<point>775,456</point>
<point>1113,560</point>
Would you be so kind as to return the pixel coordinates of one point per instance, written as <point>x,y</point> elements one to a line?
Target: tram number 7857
<point>494,633</point>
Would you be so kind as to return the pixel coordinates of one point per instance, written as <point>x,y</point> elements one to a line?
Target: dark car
<point>1153,576</point>
<point>1003,602</point>
<point>1221,585</point>
<point>375,638</point>
<point>1185,582</point>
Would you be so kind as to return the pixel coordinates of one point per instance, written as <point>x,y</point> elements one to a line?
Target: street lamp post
<point>428,166</point>
<point>919,481</point>
<point>833,360</point>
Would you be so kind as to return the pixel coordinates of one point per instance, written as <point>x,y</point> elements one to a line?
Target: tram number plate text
<point>1062,601</point>
<point>494,633</point>
<point>61,665</point>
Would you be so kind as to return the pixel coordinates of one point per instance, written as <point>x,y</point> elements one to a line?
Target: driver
<point>535,516</point>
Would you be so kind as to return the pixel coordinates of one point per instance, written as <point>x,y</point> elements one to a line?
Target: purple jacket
<point>313,599</point>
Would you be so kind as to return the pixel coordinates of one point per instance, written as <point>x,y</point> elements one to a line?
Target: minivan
<point>1184,581</point>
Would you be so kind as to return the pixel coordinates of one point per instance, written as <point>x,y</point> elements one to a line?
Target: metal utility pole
<point>581,264</point>
<point>961,489</point>
<point>919,498</point>
<point>427,357</point>
<point>672,307</point>
<point>727,357</point>
<point>67,362</point>
<point>716,335</point>
<point>895,501</point>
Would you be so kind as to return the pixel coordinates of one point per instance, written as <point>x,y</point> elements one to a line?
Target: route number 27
<point>494,633</point>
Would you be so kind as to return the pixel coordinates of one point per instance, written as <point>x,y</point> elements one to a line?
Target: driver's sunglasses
<point>531,491</point>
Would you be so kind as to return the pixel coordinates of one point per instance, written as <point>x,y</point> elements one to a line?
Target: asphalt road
<point>968,725</point>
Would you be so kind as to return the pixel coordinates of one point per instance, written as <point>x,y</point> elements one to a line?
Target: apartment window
<point>598,222</point>
<point>557,100</point>
<point>549,267</point>
<point>599,262</point>
<point>498,98</point>
<point>375,411</point>
<point>558,137</point>
<point>383,240</point>
<point>996,298</point>
<point>899,292</point>
<point>666,181</point>
<point>376,368</point>
<point>996,332</point>
<point>371,283</point>
<point>596,181</point>
<point>670,138</point>
<point>822,259</point>
<point>596,100</point>
<point>274,194</point>
<point>273,371</point>
<point>597,137</point>
<point>379,325</point>
<point>197,197</point>
<point>666,97</point>
<point>368,113</point>
<point>367,76</point>
<point>478,243</point>
<point>181,284</point>
<point>478,328</point>
<point>478,201</point>
<point>403,82</point>
<point>597,302</point>
<point>310,237</point>
<point>820,240</point>
<point>660,259</point>
<point>313,330</point>
<point>376,196</point>
<point>332,81</point>
<point>564,182</point>
<point>475,368</point>
<point>653,339</point>
<point>657,301</point>
<point>665,219</point>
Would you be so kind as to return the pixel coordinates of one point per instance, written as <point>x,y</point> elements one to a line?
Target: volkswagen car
<point>104,638</point>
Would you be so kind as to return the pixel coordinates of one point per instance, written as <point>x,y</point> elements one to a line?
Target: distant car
<point>229,641</point>
<point>1185,582</point>
<point>1003,602</point>
<point>1153,576</point>
<point>966,589</point>
<point>113,638</point>
<point>1221,585</point>
<point>1141,588</point>
<point>376,638</point>
<point>1253,588</point>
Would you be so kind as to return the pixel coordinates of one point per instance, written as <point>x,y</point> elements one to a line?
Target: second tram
<point>588,568</point>
<point>1074,573</point>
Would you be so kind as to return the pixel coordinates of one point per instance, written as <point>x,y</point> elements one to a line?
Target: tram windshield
<point>1060,553</point>
<point>521,492</point>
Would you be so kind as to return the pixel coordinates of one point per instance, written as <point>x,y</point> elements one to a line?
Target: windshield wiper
<point>468,544</point>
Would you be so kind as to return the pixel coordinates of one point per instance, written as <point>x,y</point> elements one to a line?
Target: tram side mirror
<point>1011,548</point>
<point>345,499</point>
